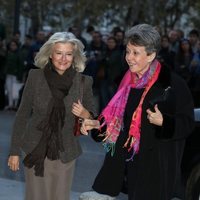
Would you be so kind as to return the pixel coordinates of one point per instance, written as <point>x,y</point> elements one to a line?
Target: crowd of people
<point>16,60</point>
<point>105,61</point>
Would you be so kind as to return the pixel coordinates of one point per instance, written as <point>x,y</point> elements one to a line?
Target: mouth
<point>131,64</point>
<point>62,64</point>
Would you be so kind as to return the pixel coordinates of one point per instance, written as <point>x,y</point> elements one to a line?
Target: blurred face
<point>185,45</point>
<point>40,36</point>
<point>111,44</point>
<point>137,59</point>
<point>165,43</point>
<point>119,36</point>
<point>62,56</point>
<point>96,37</point>
<point>173,36</point>
<point>193,39</point>
<point>13,46</point>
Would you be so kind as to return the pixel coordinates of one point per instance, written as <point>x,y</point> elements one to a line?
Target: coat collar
<point>164,78</point>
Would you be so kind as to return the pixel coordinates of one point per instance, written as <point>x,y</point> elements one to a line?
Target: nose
<point>64,57</point>
<point>129,56</point>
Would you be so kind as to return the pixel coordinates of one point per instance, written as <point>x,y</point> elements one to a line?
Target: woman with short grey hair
<point>144,126</point>
<point>43,131</point>
<point>144,35</point>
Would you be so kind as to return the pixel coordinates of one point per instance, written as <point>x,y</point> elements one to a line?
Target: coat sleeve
<point>181,124</point>
<point>22,116</point>
<point>88,97</point>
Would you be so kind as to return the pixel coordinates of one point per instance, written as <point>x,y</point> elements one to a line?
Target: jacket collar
<point>164,78</point>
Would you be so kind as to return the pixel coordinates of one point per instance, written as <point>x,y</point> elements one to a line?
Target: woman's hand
<point>13,163</point>
<point>79,110</point>
<point>155,117</point>
<point>89,124</point>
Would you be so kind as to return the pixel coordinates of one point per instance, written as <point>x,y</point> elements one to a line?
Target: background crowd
<point>105,62</point>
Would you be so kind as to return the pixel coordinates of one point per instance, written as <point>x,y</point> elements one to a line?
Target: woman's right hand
<point>89,124</point>
<point>13,163</point>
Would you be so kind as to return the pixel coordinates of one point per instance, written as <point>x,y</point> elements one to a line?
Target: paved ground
<point>12,184</point>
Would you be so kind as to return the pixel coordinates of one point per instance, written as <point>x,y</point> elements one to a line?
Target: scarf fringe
<point>131,158</point>
<point>133,145</point>
<point>109,147</point>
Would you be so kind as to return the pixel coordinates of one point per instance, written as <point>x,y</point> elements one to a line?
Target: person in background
<point>174,40</point>
<point>193,37</point>
<point>3,52</point>
<point>14,75</point>
<point>24,53</point>
<point>16,37</point>
<point>144,126</point>
<point>118,33</point>
<point>77,32</point>
<point>39,40</point>
<point>95,55</point>
<point>90,29</point>
<point>165,55</point>
<point>43,132</point>
<point>113,70</point>
<point>195,76</point>
<point>180,33</point>
<point>183,59</point>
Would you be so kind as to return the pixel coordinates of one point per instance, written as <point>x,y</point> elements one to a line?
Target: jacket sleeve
<point>22,116</point>
<point>181,124</point>
<point>88,97</point>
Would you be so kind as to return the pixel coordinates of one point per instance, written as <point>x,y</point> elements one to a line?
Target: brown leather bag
<point>78,120</point>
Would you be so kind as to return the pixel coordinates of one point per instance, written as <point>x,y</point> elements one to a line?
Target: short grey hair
<point>43,56</point>
<point>144,35</point>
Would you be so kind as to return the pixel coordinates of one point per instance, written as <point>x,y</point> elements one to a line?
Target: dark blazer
<point>33,109</point>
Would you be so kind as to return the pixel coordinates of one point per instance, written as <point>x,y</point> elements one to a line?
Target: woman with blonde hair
<point>44,125</point>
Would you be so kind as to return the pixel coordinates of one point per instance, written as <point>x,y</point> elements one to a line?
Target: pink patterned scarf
<point>113,113</point>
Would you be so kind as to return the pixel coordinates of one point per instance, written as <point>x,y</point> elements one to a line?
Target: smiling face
<point>137,58</point>
<point>62,56</point>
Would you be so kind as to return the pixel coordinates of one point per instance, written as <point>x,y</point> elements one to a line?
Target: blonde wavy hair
<point>43,56</point>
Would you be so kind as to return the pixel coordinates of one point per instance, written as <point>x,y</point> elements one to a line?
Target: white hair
<point>42,57</point>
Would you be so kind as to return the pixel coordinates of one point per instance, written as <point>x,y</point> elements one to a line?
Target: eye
<point>127,51</point>
<point>58,53</point>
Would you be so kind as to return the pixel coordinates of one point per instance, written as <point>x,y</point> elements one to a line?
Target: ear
<point>151,57</point>
<point>50,56</point>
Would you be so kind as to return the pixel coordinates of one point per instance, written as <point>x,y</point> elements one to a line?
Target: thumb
<point>79,102</point>
<point>156,108</point>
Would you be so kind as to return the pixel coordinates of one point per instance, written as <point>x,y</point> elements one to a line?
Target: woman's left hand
<point>79,110</point>
<point>89,124</point>
<point>155,117</point>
